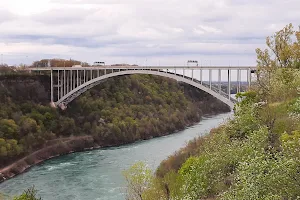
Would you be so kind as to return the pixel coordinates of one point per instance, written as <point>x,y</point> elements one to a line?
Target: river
<point>97,175</point>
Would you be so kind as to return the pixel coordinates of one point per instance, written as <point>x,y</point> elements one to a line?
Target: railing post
<point>77,77</point>
<point>183,73</point>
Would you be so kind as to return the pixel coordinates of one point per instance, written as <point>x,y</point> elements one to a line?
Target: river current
<point>97,175</point>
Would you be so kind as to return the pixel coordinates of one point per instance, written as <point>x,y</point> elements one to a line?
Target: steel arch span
<point>66,99</point>
<point>67,83</point>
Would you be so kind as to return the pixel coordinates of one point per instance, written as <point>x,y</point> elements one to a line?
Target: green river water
<point>97,175</point>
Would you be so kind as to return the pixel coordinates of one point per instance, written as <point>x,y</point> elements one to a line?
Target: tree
<point>28,125</point>
<point>8,129</point>
<point>138,178</point>
<point>3,151</point>
<point>283,52</point>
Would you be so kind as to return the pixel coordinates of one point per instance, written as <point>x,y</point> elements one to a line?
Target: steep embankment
<point>255,155</point>
<point>119,111</point>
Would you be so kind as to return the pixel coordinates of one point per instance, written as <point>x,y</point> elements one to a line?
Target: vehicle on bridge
<point>193,62</point>
<point>77,66</point>
<point>98,64</point>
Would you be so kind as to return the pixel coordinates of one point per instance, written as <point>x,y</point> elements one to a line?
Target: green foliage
<point>295,109</point>
<point>9,148</point>
<point>266,176</point>
<point>29,194</point>
<point>8,129</point>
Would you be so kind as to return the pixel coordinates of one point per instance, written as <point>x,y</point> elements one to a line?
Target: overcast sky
<point>156,32</point>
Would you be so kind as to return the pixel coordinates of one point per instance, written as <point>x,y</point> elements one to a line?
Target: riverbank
<point>60,147</point>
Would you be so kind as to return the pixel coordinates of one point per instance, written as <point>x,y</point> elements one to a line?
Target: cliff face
<point>118,111</point>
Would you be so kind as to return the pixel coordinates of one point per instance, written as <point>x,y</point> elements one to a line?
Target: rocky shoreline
<point>72,144</point>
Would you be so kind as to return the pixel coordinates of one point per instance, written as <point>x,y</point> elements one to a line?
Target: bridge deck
<point>144,67</point>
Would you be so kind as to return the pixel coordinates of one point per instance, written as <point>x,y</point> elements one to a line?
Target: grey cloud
<point>155,28</point>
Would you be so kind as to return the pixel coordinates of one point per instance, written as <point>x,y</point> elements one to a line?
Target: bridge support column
<point>58,85</point>
<point>80,78</point>
<point>192,74</point>
<point>249,77</point>
<point>74,80</point>
<point>84,76</point>
<point>71,80</point>
<point>219,80</point>
<point>64,91</point>
<point>68,83</point>
<point>201,76</point>
<point>229,83</point>
<point>61,84</point>
<point>51,86</point>
<point>239,81</point>
<point>210,78</point>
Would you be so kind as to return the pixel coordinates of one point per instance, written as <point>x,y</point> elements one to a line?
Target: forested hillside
<point>118,111</point>
<point>255,155</point>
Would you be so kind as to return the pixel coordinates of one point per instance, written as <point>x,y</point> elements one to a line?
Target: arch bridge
<point>67,83</point>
